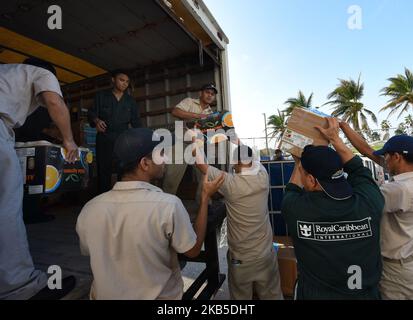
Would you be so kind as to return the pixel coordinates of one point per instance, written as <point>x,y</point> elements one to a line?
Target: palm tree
<point>409,124</point>
<point>401,130</point>
<point>385,127</point>
<point>277,125</point>
<point>300,102</point>
<point>400,92</point>
<point>347,105</point>
<point>375,136</point>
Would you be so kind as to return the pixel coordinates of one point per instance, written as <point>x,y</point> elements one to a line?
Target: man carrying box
<point>334,222</point>
<point>23,87</point>
<point>397,223</point>
<point>187,109</point>
<point>252,262</point>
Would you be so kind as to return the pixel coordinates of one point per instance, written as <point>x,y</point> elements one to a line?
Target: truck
<point>169,47</point>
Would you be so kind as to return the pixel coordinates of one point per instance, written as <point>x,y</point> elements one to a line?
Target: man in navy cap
<point>333,208</point>
<point>134,232</point>
<point>187,109</point>
<point>397,223</point>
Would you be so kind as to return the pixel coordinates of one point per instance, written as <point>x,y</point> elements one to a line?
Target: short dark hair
<point>407,157</point>
<point>41,64</point>
<point>242,152</point>
<point>127,168</point>
<point>117,72</point>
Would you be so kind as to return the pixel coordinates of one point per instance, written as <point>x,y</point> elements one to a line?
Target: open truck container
<point>171,48</point>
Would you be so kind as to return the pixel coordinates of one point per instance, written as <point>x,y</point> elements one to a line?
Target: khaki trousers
<point>397,281</point>
<point>260,276</point>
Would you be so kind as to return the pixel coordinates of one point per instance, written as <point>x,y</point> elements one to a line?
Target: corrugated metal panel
<point>157,88</point>
<point>110,34</point>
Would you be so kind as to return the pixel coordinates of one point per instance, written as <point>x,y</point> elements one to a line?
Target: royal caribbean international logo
<point>334,231</point>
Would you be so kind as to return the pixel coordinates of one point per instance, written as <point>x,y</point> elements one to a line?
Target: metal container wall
<point>280,174</point>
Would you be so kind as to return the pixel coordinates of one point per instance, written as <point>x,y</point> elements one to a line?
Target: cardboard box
<point>216,128</point>
<point>45,170</point>
<point>287,264</point>
<point>301,131</point>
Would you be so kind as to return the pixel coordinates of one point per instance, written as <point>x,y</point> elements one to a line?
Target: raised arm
<point>185,115</point>
<point>359,143</point>
<point>331,134</point>
<point>208,189</point>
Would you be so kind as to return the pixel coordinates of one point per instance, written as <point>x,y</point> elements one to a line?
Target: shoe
<point>68,284</point>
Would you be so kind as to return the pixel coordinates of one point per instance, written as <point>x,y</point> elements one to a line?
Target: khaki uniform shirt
<point>250,234</point>
<point>20,86</point>
<point>132,235</point>
<point>397,222</point>
<point>194,106</point>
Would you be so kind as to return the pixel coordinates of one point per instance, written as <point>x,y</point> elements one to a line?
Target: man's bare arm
<point>208,189</point>
<point>59,113</point>
<point>359,143</point>
<point>185,115</point>
<point>332,135</point>
<point>296,175</point>
<point>200,161</point>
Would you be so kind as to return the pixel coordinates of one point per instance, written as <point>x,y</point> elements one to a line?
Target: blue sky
<point>278,47</point>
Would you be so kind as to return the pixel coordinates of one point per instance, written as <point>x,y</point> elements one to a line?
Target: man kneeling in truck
<point>252,261</point>
<point>134,232</point>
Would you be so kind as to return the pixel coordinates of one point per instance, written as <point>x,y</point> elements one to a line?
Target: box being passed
<point>301,131</point>
<point>45,170</point>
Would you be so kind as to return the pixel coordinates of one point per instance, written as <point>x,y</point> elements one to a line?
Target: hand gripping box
<point>301,131</point>
<point>45,170</point>
<point>217,127</point>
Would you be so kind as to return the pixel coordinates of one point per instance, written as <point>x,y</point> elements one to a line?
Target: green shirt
<point>331,236</point>
<point>116,114</point>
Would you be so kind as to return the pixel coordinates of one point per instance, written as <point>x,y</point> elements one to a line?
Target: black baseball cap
<point>326,166</point>
<point>399,144</point>
<point>209,86</point>
<point>135,144</point>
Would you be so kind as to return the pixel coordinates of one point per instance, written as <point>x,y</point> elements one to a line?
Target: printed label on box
<point>296,139</point>
<point>36,189</point>
<point>26,152</point>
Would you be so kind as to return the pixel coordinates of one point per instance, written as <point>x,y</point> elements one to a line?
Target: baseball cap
<point>326,166</point>
<point>209,86</point>
<point>400,144</point>
<point>135,144</point>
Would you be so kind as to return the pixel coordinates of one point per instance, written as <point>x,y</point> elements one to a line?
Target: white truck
<point>171,48</point>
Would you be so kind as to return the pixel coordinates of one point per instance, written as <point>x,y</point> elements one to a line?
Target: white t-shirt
<point>20,86</point>
<point>132,235</point>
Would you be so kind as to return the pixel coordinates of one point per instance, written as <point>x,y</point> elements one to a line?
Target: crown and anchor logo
<point>306,230</point>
